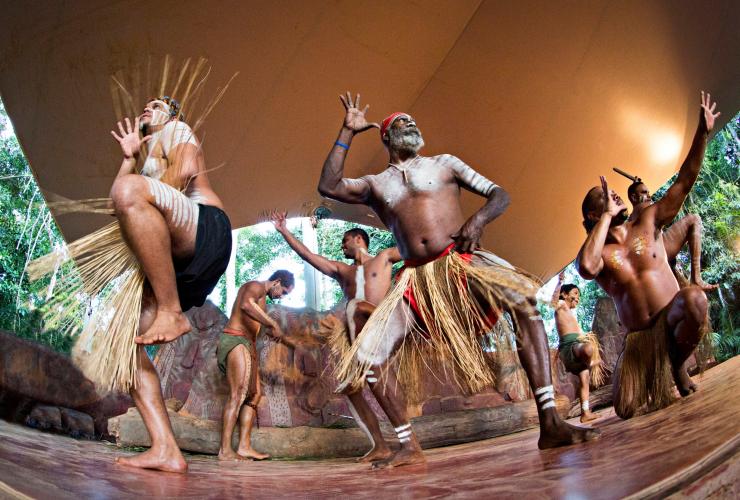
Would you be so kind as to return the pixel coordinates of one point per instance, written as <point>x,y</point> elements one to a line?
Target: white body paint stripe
<point>184,212</point>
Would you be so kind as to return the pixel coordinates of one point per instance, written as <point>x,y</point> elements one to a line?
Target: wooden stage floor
<point>689,449</point>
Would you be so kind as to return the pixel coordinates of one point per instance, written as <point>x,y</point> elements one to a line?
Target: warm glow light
<point>665,147</point>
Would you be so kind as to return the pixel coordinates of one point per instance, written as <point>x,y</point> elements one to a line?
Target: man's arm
<point>322,264</point>
<point>590,261</point>
<point>183,153</point>
<point>332,183</point>
<point>250,306</point>
<point>392,255</point>
<point>130,145</point>
<point>498,200</point>
<point>556,293</point>
<point>667,208</point>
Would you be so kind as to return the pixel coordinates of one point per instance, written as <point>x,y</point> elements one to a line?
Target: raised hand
<point>355,120</point>
<point>610,203</point>
<point>279,220</point>
<point>708,116</point>
<point>129,139</point>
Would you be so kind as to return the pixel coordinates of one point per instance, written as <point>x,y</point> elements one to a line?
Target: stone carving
<point>297,384</point>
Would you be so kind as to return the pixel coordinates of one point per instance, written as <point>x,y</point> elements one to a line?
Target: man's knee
<point>238,394</point>
<point>696,302</point>
<point>127,190</point>
<point>586,351</point>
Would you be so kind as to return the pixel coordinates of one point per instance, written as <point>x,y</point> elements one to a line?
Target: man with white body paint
<point>364,283</point>
<point>448,294</point>
<point>175,226</point>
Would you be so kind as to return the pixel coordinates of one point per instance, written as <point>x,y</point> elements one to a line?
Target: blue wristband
<point>341,145</point>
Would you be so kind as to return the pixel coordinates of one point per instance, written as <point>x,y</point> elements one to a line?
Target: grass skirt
<point>108,274</point>
<point>454,294</point>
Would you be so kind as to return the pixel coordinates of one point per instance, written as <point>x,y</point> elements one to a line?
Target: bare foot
<point>377,453</point>
<point>703,285</point>
<point>406,456</point>
<point>167,327</point>
<point>587,416</point>
<point>230,456</point>
<point>252,454</point>
<point>168,460</point>
<point>684,384</point>
<point>559,433</point>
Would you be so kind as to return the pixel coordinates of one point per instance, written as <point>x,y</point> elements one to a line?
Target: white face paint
<point>160,111</point>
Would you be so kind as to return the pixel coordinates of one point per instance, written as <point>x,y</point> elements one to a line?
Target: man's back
<point>239,320</point>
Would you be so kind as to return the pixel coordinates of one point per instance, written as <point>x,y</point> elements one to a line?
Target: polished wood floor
<point>651,455</point>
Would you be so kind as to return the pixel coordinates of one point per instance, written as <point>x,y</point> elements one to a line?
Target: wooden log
<point>203,436</point>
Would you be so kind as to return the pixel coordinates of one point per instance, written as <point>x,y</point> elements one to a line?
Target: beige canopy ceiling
<point>541,97</point>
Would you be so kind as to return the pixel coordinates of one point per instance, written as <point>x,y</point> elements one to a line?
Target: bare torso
<point>636,273</point>
<point>376,274</point>
<point>565,319</point>
<point>422,211</point>
<point>239,320</point>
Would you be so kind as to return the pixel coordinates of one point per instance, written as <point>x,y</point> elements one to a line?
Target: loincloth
<point>453,299</point>
<point>645,375</point>
<point>566,353</point>
<point>197,278</point>
<point>229,340</point>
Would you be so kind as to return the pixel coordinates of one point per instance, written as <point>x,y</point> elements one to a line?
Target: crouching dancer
<point>627,257</point>
<point>237,359</point>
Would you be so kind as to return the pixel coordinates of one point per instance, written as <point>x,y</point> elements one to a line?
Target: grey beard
<point>403,141</point>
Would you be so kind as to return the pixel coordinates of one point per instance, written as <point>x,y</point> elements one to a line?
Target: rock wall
<point>300,391</point>
<point>44,389</point>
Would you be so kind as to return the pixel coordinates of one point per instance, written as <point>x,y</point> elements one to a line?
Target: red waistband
<point>234,332</point>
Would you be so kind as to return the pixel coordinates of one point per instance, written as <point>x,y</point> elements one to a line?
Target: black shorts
<point>198,277</point>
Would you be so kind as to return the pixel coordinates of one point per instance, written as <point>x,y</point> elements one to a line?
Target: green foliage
<point>716,199</point>
<point>28,231</point>
<point>257,248</point>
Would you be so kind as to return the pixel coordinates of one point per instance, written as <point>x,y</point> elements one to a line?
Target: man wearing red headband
<point>449,293</point>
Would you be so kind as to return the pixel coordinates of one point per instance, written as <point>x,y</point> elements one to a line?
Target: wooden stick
<point>633,178</point>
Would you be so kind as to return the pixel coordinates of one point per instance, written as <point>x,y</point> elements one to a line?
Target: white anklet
<point>404,433</point>
<point>545,397</point>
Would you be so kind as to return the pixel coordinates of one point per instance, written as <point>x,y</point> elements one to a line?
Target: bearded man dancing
<point>182,242</point>
<point>627,257</point>
<point>449,293</point>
